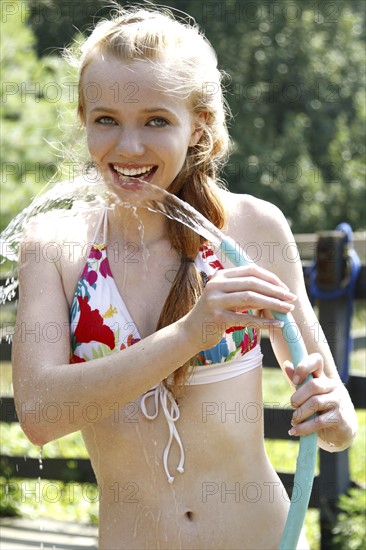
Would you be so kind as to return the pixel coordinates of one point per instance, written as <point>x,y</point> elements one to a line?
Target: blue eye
<point>105,120</point>
<point>158,122</point>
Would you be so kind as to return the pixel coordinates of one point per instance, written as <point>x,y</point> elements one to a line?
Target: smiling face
<point>134,129</point>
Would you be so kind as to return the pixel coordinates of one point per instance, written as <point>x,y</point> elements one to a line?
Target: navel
<point>189,515</point>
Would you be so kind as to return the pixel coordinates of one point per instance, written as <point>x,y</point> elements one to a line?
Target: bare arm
<point>50,393</point>
<point>325,395</point>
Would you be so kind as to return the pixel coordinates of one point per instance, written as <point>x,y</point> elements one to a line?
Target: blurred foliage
<point>296,92</point>
<point>350,531</point>
<point>35,115</point>
<point>10,500</point>
<point>40,498</point>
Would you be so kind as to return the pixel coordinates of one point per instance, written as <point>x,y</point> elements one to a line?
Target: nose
<point>130,143</point>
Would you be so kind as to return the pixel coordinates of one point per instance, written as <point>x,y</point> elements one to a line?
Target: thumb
<point>289,369</point>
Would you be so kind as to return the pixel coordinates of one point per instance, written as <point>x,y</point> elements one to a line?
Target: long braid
<point>199,191</point>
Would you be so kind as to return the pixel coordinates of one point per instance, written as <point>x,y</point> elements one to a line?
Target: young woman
<point>164,357</point>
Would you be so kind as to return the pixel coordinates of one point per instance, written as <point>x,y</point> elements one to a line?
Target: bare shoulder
<point>53,250</point>
<point>262,231</point>
<point>253,220</point>
<point>54,235</point>
<point>55,226</point>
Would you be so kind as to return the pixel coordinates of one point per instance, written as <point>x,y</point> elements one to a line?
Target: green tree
<point>296,93</point>
<point>35,115</point>
<point>297,96</point>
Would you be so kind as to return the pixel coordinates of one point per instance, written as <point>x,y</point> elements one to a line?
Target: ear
<point>197,128</point>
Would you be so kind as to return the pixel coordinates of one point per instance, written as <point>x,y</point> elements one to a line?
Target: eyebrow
<point>147,110</point>
<point>158,109</point>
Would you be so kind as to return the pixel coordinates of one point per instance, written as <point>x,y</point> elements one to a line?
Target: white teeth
<point>133,171</point>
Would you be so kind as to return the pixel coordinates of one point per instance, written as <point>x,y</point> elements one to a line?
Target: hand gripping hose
<point>305,465</point>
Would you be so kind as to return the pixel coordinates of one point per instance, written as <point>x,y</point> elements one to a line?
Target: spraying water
<point>62,198</point>
<point>134,193</point>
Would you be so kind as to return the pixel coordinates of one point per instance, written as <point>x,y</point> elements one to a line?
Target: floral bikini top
<point>100,324</point>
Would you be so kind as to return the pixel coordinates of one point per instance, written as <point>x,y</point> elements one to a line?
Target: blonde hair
<point>187,66</point>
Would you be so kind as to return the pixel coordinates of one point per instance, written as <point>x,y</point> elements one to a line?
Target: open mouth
<point>130,177</point>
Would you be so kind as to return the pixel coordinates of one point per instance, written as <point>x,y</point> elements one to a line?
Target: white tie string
<point>172,415</point>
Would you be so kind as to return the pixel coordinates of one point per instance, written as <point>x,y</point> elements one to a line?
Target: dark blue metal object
<point>341,288</point>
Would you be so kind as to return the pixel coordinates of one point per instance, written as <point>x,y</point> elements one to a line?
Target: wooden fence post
<point>334,478</point>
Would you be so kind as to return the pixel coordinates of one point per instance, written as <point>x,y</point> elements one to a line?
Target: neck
<point>137,225</point>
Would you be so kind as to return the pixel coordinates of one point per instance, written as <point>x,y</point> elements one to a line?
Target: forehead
<point>110,79</point>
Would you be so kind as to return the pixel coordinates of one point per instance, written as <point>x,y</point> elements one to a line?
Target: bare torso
<point>227,493</point>
<point>229,496</point>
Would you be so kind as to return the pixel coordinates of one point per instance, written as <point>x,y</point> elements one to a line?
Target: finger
<point>313,364</point>
<point>310,390</point>
<point>254,271</point>
<point>251,283</point>
<point>243,320</point>
<point>249,288</point>
<point>289,369</point>
<point>326,418</point>
<point>250,299</point>
<point>317,404</point>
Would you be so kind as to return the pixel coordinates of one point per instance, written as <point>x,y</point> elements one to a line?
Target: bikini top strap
<point>101,237</point>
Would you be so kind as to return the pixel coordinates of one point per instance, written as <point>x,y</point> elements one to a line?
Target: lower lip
<point>132,183</point>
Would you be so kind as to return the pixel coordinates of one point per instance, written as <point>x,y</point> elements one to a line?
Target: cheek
<point>96,143</point>
<point>176,146</point>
